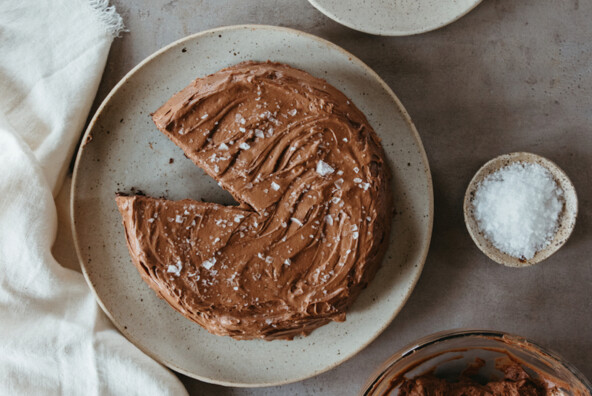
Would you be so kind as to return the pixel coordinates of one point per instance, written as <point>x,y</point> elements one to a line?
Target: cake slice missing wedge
<point>315,212</point>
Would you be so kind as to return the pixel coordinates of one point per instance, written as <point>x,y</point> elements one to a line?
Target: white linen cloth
<point>54,339</point>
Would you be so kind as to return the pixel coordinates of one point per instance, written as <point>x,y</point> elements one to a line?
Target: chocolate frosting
<point>315,210</point>
<point>516,381</point>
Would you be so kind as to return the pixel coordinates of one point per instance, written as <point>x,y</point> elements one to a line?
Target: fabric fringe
<point>109,17</point>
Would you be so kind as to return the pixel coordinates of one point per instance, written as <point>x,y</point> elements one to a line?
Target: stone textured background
<point>509,76</point>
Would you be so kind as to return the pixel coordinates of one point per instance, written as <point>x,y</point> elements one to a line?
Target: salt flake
<point>175,269</point>
<point>324,168</point>
<point>207,264</point>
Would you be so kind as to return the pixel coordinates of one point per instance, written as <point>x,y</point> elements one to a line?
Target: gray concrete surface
<point>510,76</point>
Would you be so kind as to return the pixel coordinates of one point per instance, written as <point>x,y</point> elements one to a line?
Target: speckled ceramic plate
<point>123,149</point>
<point>395,17</point>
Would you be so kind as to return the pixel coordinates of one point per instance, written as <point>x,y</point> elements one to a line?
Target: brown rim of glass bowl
<point>567,218</point>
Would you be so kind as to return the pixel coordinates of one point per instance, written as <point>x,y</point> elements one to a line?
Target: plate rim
<point>87,137</point>
<point>391,31</point>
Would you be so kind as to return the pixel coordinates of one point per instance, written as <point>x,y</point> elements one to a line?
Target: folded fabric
<point>55,338</point>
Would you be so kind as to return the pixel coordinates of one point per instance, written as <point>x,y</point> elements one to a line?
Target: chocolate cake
<point>315,208</point>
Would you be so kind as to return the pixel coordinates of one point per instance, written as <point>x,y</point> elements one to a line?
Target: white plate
<point>395,17</point>
<point>126,150</point>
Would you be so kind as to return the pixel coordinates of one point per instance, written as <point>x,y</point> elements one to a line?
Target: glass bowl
<point>447,354</point>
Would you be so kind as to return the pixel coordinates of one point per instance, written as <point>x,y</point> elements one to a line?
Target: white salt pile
<point>517,208</point>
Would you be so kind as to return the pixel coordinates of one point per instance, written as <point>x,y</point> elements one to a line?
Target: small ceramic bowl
<point>567,218</point>
<point>448,353</point>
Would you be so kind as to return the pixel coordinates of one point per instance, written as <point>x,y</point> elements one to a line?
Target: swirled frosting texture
<point>315,210</point>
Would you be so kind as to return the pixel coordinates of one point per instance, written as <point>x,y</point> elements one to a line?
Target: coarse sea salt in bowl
<point>520,208</point>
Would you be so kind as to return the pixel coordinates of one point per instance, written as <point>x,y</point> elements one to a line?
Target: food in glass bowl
<point>476,362</point>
